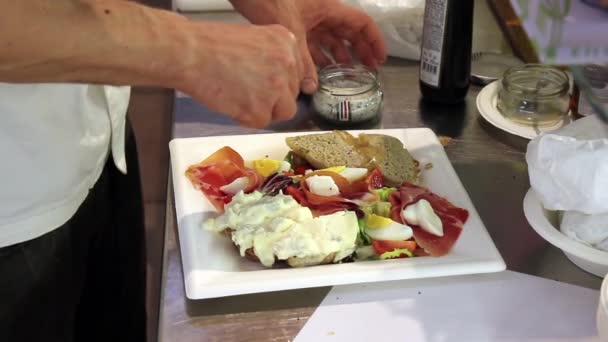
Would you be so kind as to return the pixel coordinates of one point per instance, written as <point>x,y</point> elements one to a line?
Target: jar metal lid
<point>487,67</point>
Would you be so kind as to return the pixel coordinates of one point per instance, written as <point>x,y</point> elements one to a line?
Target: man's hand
<point>250,72</point>
<point>320,25</point>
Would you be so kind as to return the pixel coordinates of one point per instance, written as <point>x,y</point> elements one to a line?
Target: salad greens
<point>363,237</point>
<point>384,192</point>
<point>379,208</point>
<point>382,209</point>
<point>396,253</point>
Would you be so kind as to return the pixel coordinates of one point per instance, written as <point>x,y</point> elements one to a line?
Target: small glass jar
<point>534,95</point>
<point>348,94</point>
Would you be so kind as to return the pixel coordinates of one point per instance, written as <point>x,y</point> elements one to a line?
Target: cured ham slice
<point>452,218</point>
<point>220,169</point>
<point>351,194</point>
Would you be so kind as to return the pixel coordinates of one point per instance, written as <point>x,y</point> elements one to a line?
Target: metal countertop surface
<point>489,162</point>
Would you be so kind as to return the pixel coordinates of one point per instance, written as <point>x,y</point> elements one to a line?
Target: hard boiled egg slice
<point>265,167</point>
<point>353,173</point>
<point>336,169</point>
<point>322,185</point>
<point>422,214</point>
<point>285,166</point>
<point>237,185</point>
<point>382,228</point>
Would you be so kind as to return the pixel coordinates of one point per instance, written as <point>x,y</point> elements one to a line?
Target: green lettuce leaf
<point>363,238</point>
<point>384,192</point>
<point>396,253</point>
<point>382,209</point>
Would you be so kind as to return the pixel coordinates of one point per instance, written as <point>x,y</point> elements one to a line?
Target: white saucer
<point>486,105</point>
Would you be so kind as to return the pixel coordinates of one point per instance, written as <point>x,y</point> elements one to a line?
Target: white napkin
<point>498,307</point>
<point>591,230</point>
<point>569,171</point>
<point>569,168</point>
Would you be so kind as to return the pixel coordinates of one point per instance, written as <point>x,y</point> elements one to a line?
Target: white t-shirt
<point>54,142</point>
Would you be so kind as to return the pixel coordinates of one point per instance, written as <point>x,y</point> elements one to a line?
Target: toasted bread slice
<point>339,148</point>
<point>311,261</point>
<point>327,149</point>
<point>391,158</point>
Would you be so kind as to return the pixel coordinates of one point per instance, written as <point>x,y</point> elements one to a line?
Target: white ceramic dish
<point>602,312</point>
<point>213,268</point>
<point>545,223</point>
<point>486,105</point>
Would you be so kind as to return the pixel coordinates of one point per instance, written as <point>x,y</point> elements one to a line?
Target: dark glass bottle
<point>445,56</point>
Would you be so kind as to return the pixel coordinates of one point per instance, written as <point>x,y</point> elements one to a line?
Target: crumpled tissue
<point>591,230</point>
<point>568,171</point>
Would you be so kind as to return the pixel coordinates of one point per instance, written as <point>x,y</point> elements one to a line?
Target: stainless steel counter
<point>489,162</point>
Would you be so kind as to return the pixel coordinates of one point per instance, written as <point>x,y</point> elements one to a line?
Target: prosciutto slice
<point>352,195</point>
<point>452,218</point>
<point>219,169</point>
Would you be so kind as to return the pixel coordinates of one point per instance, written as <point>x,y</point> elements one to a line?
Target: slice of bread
<point>327,149</point>
<point>391,158</point>
<point>311,260</point>
<point>339,148</point>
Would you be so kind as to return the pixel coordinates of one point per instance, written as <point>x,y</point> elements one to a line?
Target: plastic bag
<point>400,22</point>
<point>568,168</point>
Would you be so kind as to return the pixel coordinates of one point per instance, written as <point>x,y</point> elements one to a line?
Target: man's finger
<point>365,55</point>
<point>294,82</point>
<point>285,108</point>
<point>354,25</point>
<point>310,79</point>
<point>372,36</point>
<point>336,47</point>
<point>251,121</point>
<point>317,54</point>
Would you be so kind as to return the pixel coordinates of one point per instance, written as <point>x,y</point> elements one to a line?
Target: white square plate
<point>213,267</point>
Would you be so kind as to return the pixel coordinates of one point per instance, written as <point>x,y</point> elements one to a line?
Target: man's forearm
<point>94,41</point>
<point>264,11</point>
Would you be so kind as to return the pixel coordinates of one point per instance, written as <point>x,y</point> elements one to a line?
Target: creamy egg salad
<point>279,227</point>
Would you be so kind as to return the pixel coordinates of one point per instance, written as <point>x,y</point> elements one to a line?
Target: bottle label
<point>432,43</point>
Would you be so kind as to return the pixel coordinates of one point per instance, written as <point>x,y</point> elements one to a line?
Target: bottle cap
<point>487,67</point>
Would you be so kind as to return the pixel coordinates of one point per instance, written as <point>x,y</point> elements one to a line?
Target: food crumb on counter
<point>444,140</point>
<point>428,166</point>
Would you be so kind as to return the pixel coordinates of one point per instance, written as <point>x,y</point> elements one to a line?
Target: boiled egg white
<point>235,186</point>
<point>322,185</point>
<point>385,229</point>
<point>422,215</point>
<point>285,166</point>
<point>353,174</point>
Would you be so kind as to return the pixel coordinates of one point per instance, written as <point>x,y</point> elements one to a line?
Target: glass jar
<point>590,95</point>
<point>534,95</point>
<point>348,94</point>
